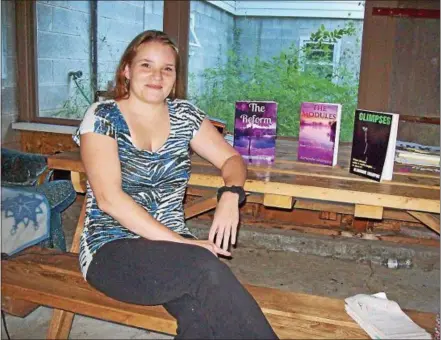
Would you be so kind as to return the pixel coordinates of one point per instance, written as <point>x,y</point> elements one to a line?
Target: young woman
<point>135,246</point>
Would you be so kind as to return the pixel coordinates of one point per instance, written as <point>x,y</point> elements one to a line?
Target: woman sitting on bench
<point>135,246</point>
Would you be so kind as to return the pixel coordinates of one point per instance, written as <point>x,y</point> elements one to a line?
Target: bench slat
<point>53,279</point>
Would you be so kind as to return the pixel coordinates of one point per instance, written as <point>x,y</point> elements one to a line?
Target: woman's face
<point>152,73</point>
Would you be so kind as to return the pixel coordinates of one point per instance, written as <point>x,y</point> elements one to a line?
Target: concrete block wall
<point>9,107</point>
<point>63,46</point>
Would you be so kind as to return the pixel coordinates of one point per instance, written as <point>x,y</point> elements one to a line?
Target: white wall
<point>302,8</point>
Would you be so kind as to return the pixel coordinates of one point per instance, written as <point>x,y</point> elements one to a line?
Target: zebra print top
<point>155,180</point>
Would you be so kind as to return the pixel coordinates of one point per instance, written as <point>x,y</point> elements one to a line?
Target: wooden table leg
<point>61,321</point>
<point>278,201</point>
<point>368,211</point>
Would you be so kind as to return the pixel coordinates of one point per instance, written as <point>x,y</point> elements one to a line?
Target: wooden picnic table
<point>417,192</point>
<point>280,185</point>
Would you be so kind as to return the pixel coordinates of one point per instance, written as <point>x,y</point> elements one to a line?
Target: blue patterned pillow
<point>20,168</point>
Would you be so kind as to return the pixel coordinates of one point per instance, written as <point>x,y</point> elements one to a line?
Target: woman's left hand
<point>226,220</point>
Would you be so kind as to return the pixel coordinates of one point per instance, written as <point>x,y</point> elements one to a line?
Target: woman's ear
<point>127,72</point>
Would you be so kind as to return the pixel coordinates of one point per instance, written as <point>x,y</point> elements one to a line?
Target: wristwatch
<point>236,189</point>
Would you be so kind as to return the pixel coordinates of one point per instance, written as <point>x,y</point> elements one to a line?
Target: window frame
<point>335,57</point>
<point>176,18</point>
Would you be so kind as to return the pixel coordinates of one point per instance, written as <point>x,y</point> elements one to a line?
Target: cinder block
<point>52,97</point>
<point>216,14</point>
<point>44,17</point>
<point>64,66</point>
<point>158,7</point>
<point>9,36</point>
<point>153,22</point>
<point>59,46</point>
<point>120,10</point>
<point>107,67</point>
<point>197,7</point>
<point>71,22</point>
<point>59,3</point>
<point>9,101</point>
<point>45,71</point>
<point>110,50</point>
<point>83,6</point>
<point>8,13</point>
<point>125,31</point>
<point>148,7</point>
<point>9,78</point>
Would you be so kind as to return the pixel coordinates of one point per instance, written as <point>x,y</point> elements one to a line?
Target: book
<point>319,133</point>
<point>255,126</point>
<point>417,154</point>
<point>373,144</point>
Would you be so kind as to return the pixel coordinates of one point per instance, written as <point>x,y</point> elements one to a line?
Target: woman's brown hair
<point>121,88</point>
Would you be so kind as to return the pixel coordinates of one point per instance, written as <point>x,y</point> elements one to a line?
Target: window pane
<point>63,54</point>
<point>66,81</point>
<point>284,51</point>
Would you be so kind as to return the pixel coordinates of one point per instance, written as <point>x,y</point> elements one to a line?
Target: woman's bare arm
<point>210,144</point>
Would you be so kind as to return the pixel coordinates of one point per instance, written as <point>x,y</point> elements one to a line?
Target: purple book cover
<point>255,131</point>
<point>319,133</point>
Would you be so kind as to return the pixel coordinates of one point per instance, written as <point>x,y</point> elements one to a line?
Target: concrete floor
<point>285,260</point>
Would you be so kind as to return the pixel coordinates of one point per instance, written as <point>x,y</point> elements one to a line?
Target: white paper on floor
<point>382,318</point>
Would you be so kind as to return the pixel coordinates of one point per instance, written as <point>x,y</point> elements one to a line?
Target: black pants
<point>192,284</point>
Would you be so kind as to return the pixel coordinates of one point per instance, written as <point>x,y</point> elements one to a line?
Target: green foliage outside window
<point>284,80</point>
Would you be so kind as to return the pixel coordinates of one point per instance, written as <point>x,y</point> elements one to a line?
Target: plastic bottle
<point>394,263</point>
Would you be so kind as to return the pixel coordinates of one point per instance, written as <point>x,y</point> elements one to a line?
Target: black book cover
<point>369,145</point>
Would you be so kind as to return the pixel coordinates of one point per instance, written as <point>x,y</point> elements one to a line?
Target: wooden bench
<point>47,277</point>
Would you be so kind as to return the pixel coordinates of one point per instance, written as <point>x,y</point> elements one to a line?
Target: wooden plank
<point>277,201</point>
<point>415,77</point>
<point>293,315</point>
<point>310,191</point>
<point>368,211</point>
<point>348,209</point>
<point>69,161</point>
<point>200,206</point>
<point>430,183</point>
<point>337,232</point>
<point>17,307</point>
<point>418,119</point>
<point>429,220</point>
<point>378,44</point>
<point>78,181</point>
<point>46,143</point>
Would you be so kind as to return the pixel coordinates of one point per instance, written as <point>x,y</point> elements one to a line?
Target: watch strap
<point>235,189</point>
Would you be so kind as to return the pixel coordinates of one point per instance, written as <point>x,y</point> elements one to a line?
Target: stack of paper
<point>382,318</point>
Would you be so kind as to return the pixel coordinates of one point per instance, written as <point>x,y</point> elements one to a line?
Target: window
<point>319,58</point>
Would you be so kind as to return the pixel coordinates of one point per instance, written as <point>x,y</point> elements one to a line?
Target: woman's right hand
<point>211,246</point>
